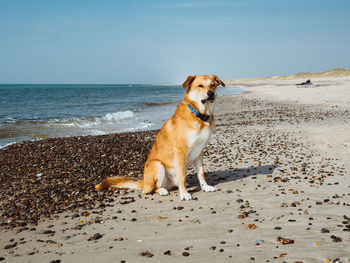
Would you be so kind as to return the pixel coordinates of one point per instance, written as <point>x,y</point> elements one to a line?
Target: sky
<point>162,42</point>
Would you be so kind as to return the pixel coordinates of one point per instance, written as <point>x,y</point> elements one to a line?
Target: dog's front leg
<point>200,174</point>
<point>181,177</point>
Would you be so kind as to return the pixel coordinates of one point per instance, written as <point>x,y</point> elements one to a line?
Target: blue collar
<point>201,116</point>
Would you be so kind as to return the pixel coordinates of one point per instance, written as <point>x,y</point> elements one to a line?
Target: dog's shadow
<point>219,177</point>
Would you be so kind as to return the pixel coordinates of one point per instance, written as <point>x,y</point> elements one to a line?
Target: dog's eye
<point>212,85</point>
<point>200,86</point>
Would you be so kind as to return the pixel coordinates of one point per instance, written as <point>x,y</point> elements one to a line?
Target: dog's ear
<point>188,81</point>
<point>218,81</point>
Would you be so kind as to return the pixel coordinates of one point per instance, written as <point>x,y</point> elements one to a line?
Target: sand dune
<point>336,73</point>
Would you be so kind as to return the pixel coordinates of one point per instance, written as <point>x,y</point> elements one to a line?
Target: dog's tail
<point>120,182</point>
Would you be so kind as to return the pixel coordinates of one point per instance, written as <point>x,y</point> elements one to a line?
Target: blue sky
<point>163,41</point>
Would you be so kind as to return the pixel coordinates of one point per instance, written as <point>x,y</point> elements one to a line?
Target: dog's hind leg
<point>162,180</point>
<point>153,177</point>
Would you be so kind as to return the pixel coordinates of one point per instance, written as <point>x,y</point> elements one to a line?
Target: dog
<point>179,142</point>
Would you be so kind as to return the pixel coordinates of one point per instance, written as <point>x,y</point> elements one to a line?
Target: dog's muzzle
<point>211,97</point>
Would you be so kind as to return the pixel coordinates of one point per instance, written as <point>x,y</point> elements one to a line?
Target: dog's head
<point>201,91</point>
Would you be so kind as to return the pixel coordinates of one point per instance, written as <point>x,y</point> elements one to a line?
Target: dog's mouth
<point>210,99</point>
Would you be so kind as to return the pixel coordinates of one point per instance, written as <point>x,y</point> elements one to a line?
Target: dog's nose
<point>210,93</point>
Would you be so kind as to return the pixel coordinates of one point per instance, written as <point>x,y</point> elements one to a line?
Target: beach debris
<point>46,231</point>
<point>335,238</point>
<point>146,254</point>
<point>285,241</point>
<point>95,237</point>
<point>9,246</point>
<point>324,230</point>
<point>185,254</point>
<point>259,242</point>
<point>252,226</point>
<point>168,253</point>
<point>159,218</point>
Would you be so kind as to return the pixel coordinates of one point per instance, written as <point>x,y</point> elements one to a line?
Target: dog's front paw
<point>208,188</point>
<point>185,196</point>
<point>162,191</point>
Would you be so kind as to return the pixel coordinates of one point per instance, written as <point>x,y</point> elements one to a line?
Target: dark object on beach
<point>95,237</point>
<point>336,239</point>
<point>185,254</point>
<point>305,83</point>
<point>285,241</point>
<point>146,254</point>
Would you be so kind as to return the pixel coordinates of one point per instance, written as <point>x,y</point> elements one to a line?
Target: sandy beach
<point>279,158</point>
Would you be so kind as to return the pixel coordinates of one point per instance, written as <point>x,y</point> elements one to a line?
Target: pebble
<point>285,241</point>
<point>146,254</point>
<point>336,239</point>
<point>95,237</point>
<point>259,242</point>
<point>9,246</point>
<point>185,254</point>
<point>324,230</point>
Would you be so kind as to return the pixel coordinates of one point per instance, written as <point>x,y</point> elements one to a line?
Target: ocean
<point>37,111</point>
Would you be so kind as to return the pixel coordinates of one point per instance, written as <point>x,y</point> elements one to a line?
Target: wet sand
<point>279,159</point>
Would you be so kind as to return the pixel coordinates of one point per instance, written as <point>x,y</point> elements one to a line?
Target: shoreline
<point>148,115</point>
<point>277,158</point>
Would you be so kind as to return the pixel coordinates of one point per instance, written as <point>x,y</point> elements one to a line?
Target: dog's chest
<point>196,141</point>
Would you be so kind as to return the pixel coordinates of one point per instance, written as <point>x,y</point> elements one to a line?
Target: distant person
<point>308,82</point>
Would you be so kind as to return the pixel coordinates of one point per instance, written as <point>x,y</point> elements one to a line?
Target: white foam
<point>119,115</point>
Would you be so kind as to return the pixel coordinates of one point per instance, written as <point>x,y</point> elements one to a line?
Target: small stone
<point>285,241</point>
<point>324,230</point>
<point>147,254</point>
<point>278,228</point>
<point>259,242</point>
<point>10,246</point>
<point>168,252</point>
<point>185,254</point>
<point>85,213</point>
<point>336,239</point>
<point>95,237</point>
<point>75,215</point>
<point>252,226</point>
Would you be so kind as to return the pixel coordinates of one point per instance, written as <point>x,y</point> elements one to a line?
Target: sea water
<point>31,111</point>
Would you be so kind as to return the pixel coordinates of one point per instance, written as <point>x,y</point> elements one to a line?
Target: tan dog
<point>179,142</point>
